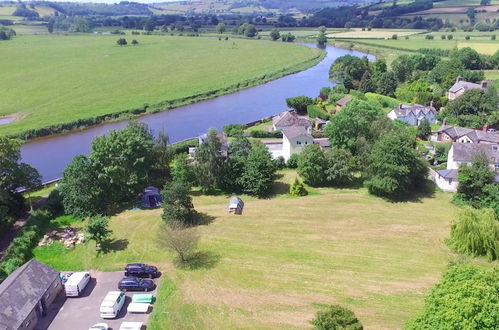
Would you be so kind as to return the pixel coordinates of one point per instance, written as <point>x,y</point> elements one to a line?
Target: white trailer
<point>112,304</point>
<point>76,283</point>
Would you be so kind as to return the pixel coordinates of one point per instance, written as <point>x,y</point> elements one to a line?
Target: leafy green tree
<point>299,103</point>
<point>348,67</point>
<point>81,25</point>
<point>135,42</point>
<point>473,179</point>
<point>312,164</point>
<point>211,163</point>
<point>379,67</point>
<point>297,189</point>
<point>97,229</point>
<point>259,172</point>
<point>402,68</point>
<point>353,121</point>
<point>490,199</point>
<point>321,39</point>
<point>387,84</point>
<point>121,42</point>
<point>466,298</point>
<point>476,232</point>
<point>287,37</point>
<point>395,167</point>
<point>275,35</point>
<point>473,108</point>
<point>367,84</point>
<point>424,130</point>
<point>239,149</point>
<point>418,91</point>
<point>182,170</point>
<point>293,161</point>
<point>250,31</point>
<point>177,204</point>
<point>445,72</point>
<point>180,239</point>
<point>221,28</point>
<point>336,317</point>
<point>469,58</point>
<point>340,166</point>
<point>322,29</point>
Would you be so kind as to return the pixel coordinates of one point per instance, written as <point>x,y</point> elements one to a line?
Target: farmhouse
<point>289,118</point>
<point>463,153</point>
<point>445,179</point>
<point>224,145</point>
<point>448,133</point>
<point>26,295</point>
<point>414,114</point>
<point>462,86</point>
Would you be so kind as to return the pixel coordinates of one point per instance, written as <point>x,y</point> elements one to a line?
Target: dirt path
<point>9,236</point>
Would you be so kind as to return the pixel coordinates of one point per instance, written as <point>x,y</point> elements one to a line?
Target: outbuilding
<point>151,198</point>
<point>236,205</point>
<point>26,295</point>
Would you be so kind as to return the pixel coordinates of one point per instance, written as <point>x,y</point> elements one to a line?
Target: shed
<point>236,205</point>
<point>150,198</point>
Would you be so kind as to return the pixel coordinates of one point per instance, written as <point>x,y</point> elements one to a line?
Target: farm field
<point>461,3</point>
<point>373,34</point>
<point>277,264</point>
<point>52,79</point>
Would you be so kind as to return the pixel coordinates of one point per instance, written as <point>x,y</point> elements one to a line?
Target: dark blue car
<point>141,270</point>
<point>135,284</point>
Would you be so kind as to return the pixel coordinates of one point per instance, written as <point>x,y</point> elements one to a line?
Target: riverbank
<point>165,73</point>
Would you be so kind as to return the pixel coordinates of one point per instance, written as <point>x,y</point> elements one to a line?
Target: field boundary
<point>146,109</point>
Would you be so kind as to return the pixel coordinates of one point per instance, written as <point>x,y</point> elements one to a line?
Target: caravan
<point>75,283</point>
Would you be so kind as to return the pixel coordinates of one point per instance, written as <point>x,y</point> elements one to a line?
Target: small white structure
<point>236,205</point>
<point>112,304</point>
<point>131,325</point>
<point>414,114</point>
<point>76,283</point>
<point>446,180</point>
<point>461,86</point>
<point>294,138</point>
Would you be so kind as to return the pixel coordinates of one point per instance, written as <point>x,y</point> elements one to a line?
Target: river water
<point>51,155</point>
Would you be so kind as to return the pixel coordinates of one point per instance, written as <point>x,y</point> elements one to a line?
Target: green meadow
<point>274,266</point>
<point>52,79</point>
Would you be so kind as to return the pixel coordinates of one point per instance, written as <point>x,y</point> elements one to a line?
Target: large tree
<point>348,67</point>
<point>474,108</point>
<point>474,179</point>
<point>259,172</point>
<point>97,229</point>
<point>312,165</point>
<point>340,166</point>
<point>211,163</point>
<point>299,103</point>
<point>395,167</point>
<point>469,58</point>
<point>352,122</point>
<point>177,203</point>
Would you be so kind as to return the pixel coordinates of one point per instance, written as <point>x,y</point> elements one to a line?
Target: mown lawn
<point>274,266</point>
<point>50,79</point>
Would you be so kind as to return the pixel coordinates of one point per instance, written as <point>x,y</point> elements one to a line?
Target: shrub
<point>280,163</point>
<point>450,37</point>
<point>336,317</point>
<point>429,37</point>
<point>232,130</point>
<point>261,134</point>
<point>467,37</point>
<point>314,111</point>
<point>476,232</point>
<point>297,189</point>
<point>293,161</point>
<point>53,204</point>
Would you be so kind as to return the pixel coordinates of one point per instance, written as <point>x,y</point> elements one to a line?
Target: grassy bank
<point>275,265</point>
<point>81,80</point>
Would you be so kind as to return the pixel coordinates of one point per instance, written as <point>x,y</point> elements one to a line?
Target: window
<point>298,142</point>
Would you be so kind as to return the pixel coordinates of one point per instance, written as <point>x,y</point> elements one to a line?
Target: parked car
<point>141,270</point>
<point>131,325</point>
<point>112,304</point>
<point>76,283</point>
<point>135,284</point>
<point>99,326</point>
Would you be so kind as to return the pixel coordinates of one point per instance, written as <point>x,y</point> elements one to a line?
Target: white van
<point>76,283</point>
<point>112,304</point>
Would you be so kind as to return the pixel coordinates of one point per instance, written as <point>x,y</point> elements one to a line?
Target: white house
<point>461,86</point>
<point>294,138</point>
<point>463,153</point>
<point>445,180</point>
<point>288,119</point>
<point>414,114</point>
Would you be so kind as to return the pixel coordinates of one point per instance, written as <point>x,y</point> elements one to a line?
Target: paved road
<point>79,313</point>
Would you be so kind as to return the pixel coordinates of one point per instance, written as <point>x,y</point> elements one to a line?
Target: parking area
<point>82,312</point>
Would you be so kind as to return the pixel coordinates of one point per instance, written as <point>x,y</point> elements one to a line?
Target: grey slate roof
<point>465,85</point>
<point>323,142</point>
<point>290,118</point>
<point>417,110</point>
<point>474,135</point>
<point>22,290</point>
<point>464,152</point>
<point>294,131</point>
<point>448,174</point>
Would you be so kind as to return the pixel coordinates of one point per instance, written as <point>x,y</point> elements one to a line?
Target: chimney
<point>400,106</point>
<point>485,128</point>
<point>459,78</point>
<point>484,84</point>
<point>444,122</point>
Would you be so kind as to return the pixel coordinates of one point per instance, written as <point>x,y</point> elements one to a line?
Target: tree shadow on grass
<point>113,246</point>
<point>427,190</point>
<point>200,260</point>
<point>203,219</point>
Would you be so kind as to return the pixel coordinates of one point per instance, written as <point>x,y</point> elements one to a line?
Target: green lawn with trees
<point>284,258</point>
<point>50,80</point>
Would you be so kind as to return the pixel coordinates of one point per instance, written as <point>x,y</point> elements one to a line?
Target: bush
<point>261,134</point>
<point>184,146</point>
<point>476,232</point>
<point>293,161</point>
<point>314,111</point>
<point>450,37</point>
<point>429,37</point>
<point>336,317</point>
<point>280,163</point>
<point>53,204</point>
<point>232,130</point>
<point>297,189</point>
<point>467,37</point>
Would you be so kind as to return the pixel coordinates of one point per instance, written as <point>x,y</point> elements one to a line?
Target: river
<point>51,155</point>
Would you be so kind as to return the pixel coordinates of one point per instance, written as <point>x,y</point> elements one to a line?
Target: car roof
<point>136,265</point>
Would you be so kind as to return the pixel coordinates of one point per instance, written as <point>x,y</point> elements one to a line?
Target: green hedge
<point>261,134</point>
<point>314,111</point>
<point>184,146</point>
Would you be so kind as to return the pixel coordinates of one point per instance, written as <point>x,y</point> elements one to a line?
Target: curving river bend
<point>51,155</point>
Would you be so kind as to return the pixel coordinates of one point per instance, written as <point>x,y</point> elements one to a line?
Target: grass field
<point>373,34</point>
<point>53,78</point>
<point>461,3</point>
<point>273,267</point>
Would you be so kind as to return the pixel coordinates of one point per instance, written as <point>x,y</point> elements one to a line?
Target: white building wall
<point>446,185</point>
<point>295,145</point>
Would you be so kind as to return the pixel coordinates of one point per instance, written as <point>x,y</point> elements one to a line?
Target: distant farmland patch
<point>373,34</point>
